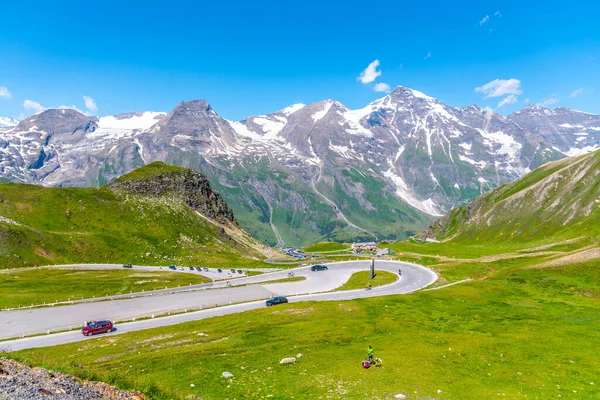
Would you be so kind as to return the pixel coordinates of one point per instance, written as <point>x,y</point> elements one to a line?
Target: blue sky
<point>250,58</point>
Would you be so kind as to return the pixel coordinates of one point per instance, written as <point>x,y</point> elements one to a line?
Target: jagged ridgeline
<point>155,215</point>
<point>559,200</point>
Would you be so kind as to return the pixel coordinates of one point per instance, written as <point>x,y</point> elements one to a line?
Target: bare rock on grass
<point>227,374</point>
<point>288,360</point>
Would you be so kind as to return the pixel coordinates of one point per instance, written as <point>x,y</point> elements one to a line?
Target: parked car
<point>94,327</point>
<point>276,300</point>
<point>127,266</point>
<point>198,269</point>
<point>233,270</point>
<point>172,267</point>
<point>240,271</point>
<point>319,267</point>
<point>205,269</point>
<point>191,268</point>
<point>228,274</point>
<point>219,270</point>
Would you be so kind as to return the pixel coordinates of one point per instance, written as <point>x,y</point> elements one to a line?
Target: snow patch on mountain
<point>143,120</point>
<point>321,113</point>
<point>292,109</point>
<point>7,122</point>
<point>573,152</point>
<point>407,194</point>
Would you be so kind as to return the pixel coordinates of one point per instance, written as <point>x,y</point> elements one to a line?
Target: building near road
<point>364,246</point>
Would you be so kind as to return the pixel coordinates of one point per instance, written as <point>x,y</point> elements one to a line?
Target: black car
<point>198,269</point>
<point>205,269</point>
<point>172,267</point>
<point>127,266</point>
<point>233,270</point>
<point>191,268</point>
<point>219,270</point>
<point>276,300</point>
<point>319,267</point>
<point>240,271</point>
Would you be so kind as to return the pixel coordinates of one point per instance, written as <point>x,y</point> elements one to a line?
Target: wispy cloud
<point>577,92</point>
<point>370,73</point>
<point>511,88</point>
<point>500,87</point>
<point>90,104</point>
<point>382,87</point>
<point>484,20</point>
<point>550,100</point>
<point>33,105</point>
<point>510,99</point>
<point>498,14</point>
<point>5,93</point>
<point>428,55</point>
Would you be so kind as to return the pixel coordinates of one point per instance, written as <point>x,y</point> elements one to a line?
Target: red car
<point>94,327</point>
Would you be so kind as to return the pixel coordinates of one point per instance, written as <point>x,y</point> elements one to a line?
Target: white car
<point>228,274</point>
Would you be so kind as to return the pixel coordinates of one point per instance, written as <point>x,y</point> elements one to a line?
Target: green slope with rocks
<point>557,201</point>
<point>155,215</point>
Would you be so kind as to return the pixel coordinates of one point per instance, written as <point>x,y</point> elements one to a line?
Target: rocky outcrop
<point>19,381</point>
<point>189,186</point>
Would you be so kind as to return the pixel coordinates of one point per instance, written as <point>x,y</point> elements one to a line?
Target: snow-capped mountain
<point>7,122</point>
<point>315,171</point>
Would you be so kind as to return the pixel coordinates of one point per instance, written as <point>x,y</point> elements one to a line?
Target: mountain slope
<point>156,215</point>
<point>313,172</point>
<point>559,200</point>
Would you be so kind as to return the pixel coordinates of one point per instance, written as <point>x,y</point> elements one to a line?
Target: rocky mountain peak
<point>61,124</point>
<point>160,180</point>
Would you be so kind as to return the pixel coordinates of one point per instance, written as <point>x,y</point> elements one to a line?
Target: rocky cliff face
<point>189,186</point>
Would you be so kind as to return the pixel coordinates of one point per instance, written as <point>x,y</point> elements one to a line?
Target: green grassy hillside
<point>117,224</point>
<point>560,200</point>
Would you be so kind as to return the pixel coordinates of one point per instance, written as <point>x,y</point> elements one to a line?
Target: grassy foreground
<point>520,333</point>
<point>47,285</point>
<point>359,280</point>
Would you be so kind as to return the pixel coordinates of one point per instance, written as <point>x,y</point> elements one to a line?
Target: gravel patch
<point>20,382</point>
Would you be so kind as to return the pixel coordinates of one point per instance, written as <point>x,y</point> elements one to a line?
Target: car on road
<point>205,269</point>
<point>198,269</point>
<point>276,300</point>
<point>191,268</point>
<point>219,270</point>
<point>172,267</point>
<point>233,270</point>
<point>319,267</point>
<point>240,271</point>
<point>127,266</point>
<point>228,274</point>
<point>94,327</point>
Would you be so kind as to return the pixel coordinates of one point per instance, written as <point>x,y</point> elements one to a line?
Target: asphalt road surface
<point>316,286</point>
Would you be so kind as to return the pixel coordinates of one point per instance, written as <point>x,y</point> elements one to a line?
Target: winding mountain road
<point>206,298</point>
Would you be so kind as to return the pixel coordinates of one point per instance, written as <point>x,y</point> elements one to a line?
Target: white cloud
<point>500,87</point>
<point>370,73</point>
<point>381,87</point>
<point>498,14</point>
<point>4,93</point>
<point>428,55</point>
<point>552,99</point>
<point>33,105</point>
<point>510,99</point>
<point>527,100</point>
<point>577,92</point>
<point>484,20</point>
<point>90,104</point>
